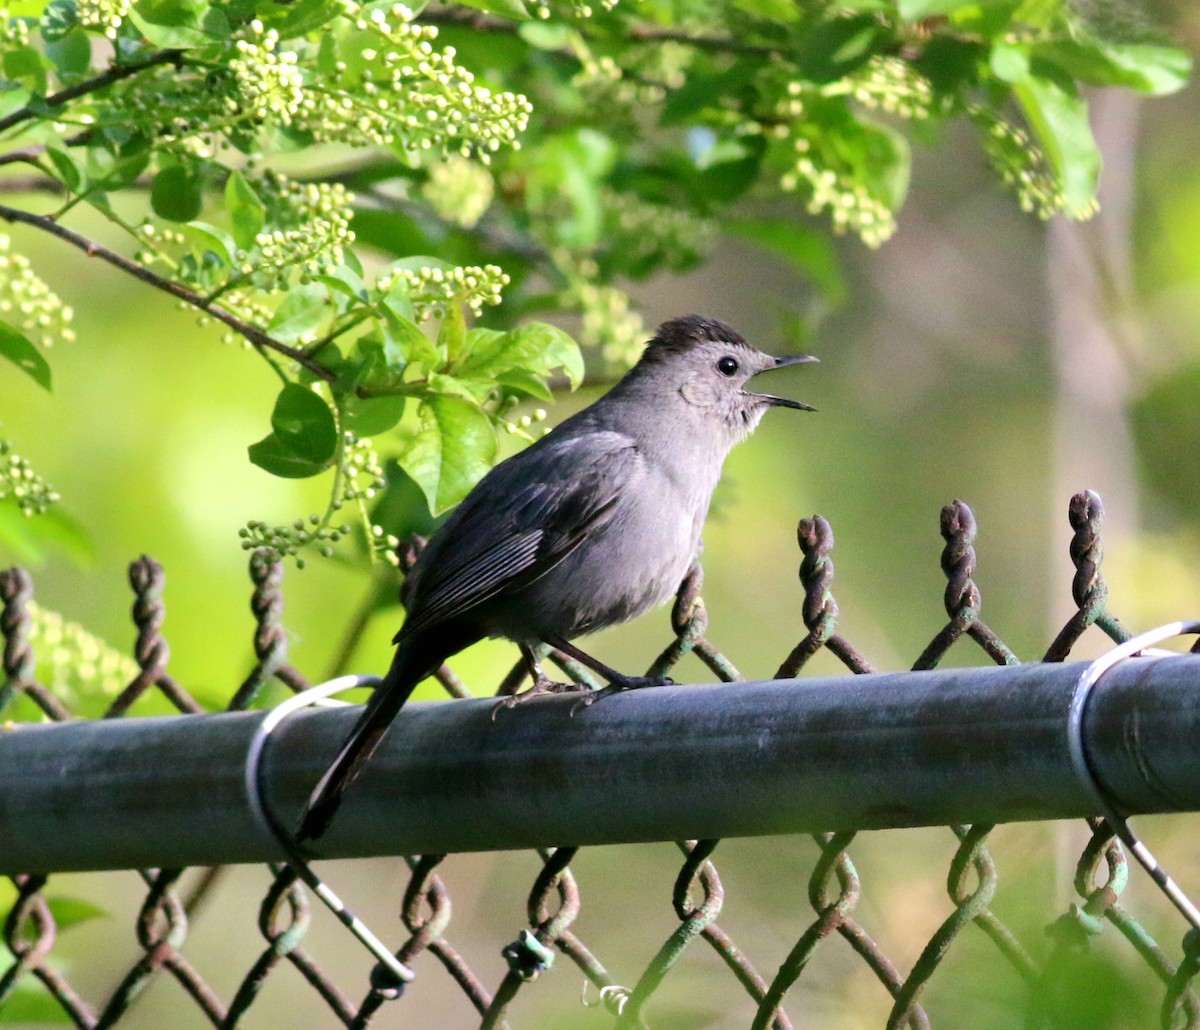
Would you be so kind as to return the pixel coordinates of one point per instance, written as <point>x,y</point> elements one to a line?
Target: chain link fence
<point>910,956</point>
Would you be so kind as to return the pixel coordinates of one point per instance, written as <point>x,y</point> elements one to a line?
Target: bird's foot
<point>542,685</point>
<point>619,686</point>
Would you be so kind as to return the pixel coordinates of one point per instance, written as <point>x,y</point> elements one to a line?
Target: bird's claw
<point>542,686</point>
<point>619,687</point>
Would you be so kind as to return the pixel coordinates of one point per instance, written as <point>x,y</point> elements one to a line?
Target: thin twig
<point>638,34</point>
<point>256,336</point>
<point>115,73</point>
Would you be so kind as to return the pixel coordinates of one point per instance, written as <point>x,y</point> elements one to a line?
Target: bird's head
<point>711,365</point>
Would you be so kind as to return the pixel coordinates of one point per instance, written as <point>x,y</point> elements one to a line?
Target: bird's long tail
<point>410,665</point>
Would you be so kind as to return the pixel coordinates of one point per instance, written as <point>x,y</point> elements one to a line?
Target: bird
<point>593,524</point>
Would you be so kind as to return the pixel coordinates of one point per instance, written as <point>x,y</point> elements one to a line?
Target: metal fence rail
<point>830,757</point>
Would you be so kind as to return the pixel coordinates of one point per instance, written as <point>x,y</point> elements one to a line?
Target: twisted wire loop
<point>693,919</point>
<point>1085,512</point>
<point>29,934</point>
<point>17,658</point>
<point>820,614</point>
<point>284,918</point>
<point>1179,985</point>
<point>270,638</point>
<point>150,650</point>
<point>531,954</point>
<point>964,602</point>
<point>162,927</point>
<point>1072,932</point>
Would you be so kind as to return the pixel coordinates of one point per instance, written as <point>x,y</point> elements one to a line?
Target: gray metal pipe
<point>855,752</point>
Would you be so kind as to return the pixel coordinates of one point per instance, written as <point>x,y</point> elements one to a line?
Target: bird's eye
<point>727,366</point>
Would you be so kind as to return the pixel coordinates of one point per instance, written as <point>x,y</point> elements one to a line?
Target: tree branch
<point>115,73</point>
<point>638,34</point>
<point>256,336</point>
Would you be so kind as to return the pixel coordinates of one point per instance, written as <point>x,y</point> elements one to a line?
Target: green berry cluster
<point>18,481</point>
<point>359,479</point>
<point>28,303</point>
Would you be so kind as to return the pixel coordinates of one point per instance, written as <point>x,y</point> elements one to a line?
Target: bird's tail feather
<point>385,704</point>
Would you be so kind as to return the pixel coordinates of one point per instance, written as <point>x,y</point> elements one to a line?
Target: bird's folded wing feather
<point>516,530</point>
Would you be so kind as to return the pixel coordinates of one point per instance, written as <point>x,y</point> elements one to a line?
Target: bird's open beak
<point>787,402</point>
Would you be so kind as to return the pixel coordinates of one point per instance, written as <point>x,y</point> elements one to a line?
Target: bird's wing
<point>520,526</point>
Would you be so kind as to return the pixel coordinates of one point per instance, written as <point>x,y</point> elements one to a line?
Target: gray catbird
<point>593,524</point>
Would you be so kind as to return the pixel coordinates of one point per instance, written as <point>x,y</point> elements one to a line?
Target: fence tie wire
<point>390,975</point>
<point>1138,646</point>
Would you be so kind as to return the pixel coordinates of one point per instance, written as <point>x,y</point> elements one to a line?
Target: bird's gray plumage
<point>590,526</point>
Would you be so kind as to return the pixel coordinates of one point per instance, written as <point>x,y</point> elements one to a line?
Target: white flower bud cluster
<point>363,475</point>
<point>408,92</point>
<point>311,226</point>
<point>14,31</point>
<point>525,423</point>
<point>27,303</point>
<point>849,203</point>
<point>72,662</point>
<point>385,546</point>
<point>890,84</point>
<point>608,320</point>
<point>18,481</point>
<point>433,289</point>
<point>645,230</point>
<point>106,15</point>
<point>1020,164</point>
<point>460,191</point>
<point>269,85</point>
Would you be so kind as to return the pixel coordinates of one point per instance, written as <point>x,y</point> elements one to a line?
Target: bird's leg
<point>617,681</point>
<point>542,684</point>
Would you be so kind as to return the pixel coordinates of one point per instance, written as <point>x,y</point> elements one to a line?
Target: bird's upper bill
<point>785,402</point>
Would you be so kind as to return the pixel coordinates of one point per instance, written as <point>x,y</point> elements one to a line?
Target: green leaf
<point>370,416</point>
<point>536,349</point>
<point>302,311</point>
<point>455,446</point>
<point>1010,61</point>
<point>771,10</point>
<point>543,36</point>
<point>176,194</point>
<point>809,251</point>
<point>304,422</point>
<point>212,238</point>
<point>26,65</point>
<point>916,10</point>
<point>70,912</point>
<point>68,168</point>
<point>1155,70</point>
<point>272,455</point>
<point>835,47</point>
<point>22,353</point>
<point>452,334</point>
<point>178,24</point>
<point>406,337</point>
<point>71,52</point>
<point>59,18</point>
<point>246,211</point>
<point>1058,116</point>
<point>300,18</point>
<point>304,436</point>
